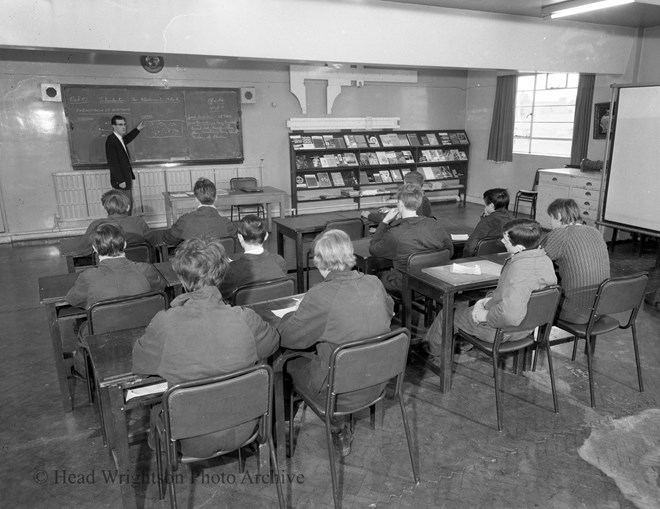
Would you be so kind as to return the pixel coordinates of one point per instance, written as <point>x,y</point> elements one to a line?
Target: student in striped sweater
<point>580,253</point>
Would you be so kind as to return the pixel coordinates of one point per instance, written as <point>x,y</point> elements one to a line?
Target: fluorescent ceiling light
<point>603,4</point>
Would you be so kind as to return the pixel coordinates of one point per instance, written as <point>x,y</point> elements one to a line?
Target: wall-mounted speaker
<point>248,95</point>
<point>51,92</point>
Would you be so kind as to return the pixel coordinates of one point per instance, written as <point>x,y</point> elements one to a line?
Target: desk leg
<point>118,445</point>
<point>447,355</point>
<point>269,215</point>
<point>280,243</point>
<point>299,263</point>
<point>406,298</point>
<point>56,338</point>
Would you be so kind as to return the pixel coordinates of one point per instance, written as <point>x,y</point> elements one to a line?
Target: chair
<point>199,407</point>
<point>354,366</point>
<point>263,291</point>
<point>238,184</point>
<point>167,251</point>
<point>528,196</point>
<point>354,228</point>
<point>136,252</point>
<point>614,295</point>
<point>541,311</point>
<point>490,245</point>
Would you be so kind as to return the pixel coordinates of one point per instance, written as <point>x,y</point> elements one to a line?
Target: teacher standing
<point>118,157</point>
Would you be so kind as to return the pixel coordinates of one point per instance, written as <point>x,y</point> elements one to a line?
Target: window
<point>545,106</point>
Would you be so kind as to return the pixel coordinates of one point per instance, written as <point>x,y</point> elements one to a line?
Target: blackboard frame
<point>98,127</point>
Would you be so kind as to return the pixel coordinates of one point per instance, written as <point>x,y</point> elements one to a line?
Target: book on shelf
<point>404,172</point>
<point>382,157</point>
<point>364,177</point>
<point>462,155</point>
<point>373,159</point>
<point>455,154</point>
<point>364,159</point>
<point>350,141</point>
<point>349,178</point>
<point>337,179</point>
<point>455,173</point>
<point>373,141</point>
<point>315,162</point>
<point>361,140</point>
<point>454,139</point>
<point>437,172</point>
<point>311,180</point>
<point>462,138</point>
<point>427,172</point>
<point>424,140</point>
<point>324,179</point>
<point>396,175</point>
<point>444,138</point>
<point>408,157</point>
<point>318,141</point>
<point>400,158</point>
<point>385,176</point>
<point>301,162</point>
<point>403,140</point>
<point>339,159</point>
<point>389,140</point>
<point>413,139</point>
<point>330,161</point>
<point>307,142</point>
<point>296,141</point>
<point>432,139</point>
<point>435,157</point>
<point>300,182</point>
<point>391,156</point>
<point>446,172</point>
<point>425,156</point>
<point>375,178</point>
<point>332,141</point>
<point>445,155</point>
<point>324,162</point>
<point>350,159</point>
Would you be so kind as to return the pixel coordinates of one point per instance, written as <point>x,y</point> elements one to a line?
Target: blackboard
<point>632,179</point>
<point>191,125</point>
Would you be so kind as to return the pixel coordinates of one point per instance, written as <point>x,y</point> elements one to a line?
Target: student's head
<point>252,230</point>
<point>109,240</point>
<point>118,124</point>
<point>333,250</point>
<point>521,234</point>
<point>496,199</point>
<point>564,211</point>
<point>199,263</point>
<point>204,191</point>
<point>410,196</point>
<point>115,202</point>
<point>414,177</point>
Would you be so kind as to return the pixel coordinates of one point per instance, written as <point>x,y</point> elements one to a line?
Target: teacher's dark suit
<point>120,163</point>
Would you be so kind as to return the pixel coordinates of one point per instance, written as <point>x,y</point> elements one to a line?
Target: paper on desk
<point>179,195</point>
<point>146,390</point>
<point>459,236</point>
<point>457,268</point>
<point>281,312</point>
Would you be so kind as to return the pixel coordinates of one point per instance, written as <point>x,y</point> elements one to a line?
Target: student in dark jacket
<point>402,232</point>
<point>255,264</point>
<point>200,336</point>
<point>205,221</point>
<point>495,216</point>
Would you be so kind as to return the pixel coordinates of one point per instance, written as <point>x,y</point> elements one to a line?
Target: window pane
<point>526,82</point>
<point>553,130</point>
<point>551,147</point>
<point>573,79</point>
<point>521,145</point>
<point>554,114</point>
<point>523,114</point>
<point>522,129</point>
<point>524,98</point>
<point>553,97</point>
<point>556,80</point>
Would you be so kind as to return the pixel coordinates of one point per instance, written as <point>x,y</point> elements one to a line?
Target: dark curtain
<point>500,142</point>
<point>582,119</point>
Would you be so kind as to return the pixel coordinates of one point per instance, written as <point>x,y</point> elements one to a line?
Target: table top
<point>313,222</point>
<point>265,190</point>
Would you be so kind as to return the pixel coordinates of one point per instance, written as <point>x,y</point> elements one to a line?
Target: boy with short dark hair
<point>256,264</point>
<point>205,221</point>
<point>527,269</point>
<point>424,209</point>
<point>495,216</point>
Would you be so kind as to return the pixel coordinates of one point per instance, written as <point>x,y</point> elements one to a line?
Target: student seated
<point>527,269</point>
<point>344,307</point>
<point>117,205</point>
<point>255,264</point>
<point>495,216</point>
<point>402,232</point>
<point>205,221</point>
<point>115,276</point>
<point>200,336</point>
<point>581,256</point>
<point>424,210</point>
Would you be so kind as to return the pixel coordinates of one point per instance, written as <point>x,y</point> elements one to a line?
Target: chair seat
<point>317,401</point>
<point>505,347</point>
<point>603,325</point>
<point>526,195</point>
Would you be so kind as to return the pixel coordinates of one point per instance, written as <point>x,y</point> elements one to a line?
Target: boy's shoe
<point>342,441</point>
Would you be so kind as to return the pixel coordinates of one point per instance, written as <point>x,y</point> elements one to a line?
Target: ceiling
<point>641,14</point>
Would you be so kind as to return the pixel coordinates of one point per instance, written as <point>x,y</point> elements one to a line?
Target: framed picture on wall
<point>602,119</point>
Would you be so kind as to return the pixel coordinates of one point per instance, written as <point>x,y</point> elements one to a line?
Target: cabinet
<point>358,169</point>
<point>583,187</point>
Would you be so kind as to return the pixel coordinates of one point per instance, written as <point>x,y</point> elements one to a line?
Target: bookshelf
<point>364,169</point>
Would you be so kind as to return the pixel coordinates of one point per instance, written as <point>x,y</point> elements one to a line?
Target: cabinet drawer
<point>587,204</point>
<point>588,215</point>
<point>554,179</point>
<point>586,182</point>
<point>585,197</point>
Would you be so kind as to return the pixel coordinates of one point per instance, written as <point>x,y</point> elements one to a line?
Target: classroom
<point>282,70</point>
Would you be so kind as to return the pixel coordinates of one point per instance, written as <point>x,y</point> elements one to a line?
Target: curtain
<point>500,142</point>
<point>582,118</point>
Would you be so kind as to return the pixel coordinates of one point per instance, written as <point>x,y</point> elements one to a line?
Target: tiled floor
<point>608,457</point>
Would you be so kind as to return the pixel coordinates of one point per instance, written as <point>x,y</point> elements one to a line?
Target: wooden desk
<point>296,227</point>
<point>69,249</point>
<point>52,290</point>
<point>367,263</point>
<point>444,292</point>
<point>111,356</point>
<point>177,204</point>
